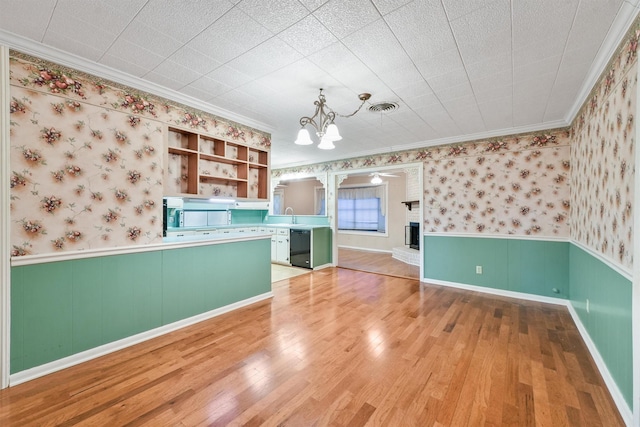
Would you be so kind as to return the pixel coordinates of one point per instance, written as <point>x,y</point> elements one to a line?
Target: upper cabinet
<point>202,166</point>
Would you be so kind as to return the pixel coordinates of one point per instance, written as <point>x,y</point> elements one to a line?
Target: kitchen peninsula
<point>72,307</point>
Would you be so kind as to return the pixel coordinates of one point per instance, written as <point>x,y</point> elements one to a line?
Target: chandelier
<point>322,121</point>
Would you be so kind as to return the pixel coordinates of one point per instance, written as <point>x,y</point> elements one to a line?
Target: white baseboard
<point>622,405</point>
<point>625,411</point>
<point>500,292</point>
<point>320,267</point>
<point>364,249</point>
<point>75,359</point>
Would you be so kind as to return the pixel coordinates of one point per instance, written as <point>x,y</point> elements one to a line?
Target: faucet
<point>293,218</point>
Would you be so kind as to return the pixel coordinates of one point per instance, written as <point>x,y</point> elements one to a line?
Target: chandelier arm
<point>354,113</point>
<point>325,116</point>
<point>308,120</point>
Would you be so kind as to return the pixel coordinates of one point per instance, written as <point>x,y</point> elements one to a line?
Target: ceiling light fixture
<point>376,179</point>
<point>322,121</point>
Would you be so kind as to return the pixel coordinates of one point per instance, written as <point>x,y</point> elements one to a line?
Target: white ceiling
<point>459,69</point>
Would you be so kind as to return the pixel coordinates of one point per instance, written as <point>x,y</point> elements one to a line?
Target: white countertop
<point>167,243</point>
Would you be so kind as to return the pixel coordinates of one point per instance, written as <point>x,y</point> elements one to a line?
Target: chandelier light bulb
<point>326,143</point>
<point>332,133</point>
<point>304,138</point>
<point>376,179</point>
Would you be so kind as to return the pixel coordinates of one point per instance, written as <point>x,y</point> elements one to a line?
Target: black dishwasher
<point>300,248</point>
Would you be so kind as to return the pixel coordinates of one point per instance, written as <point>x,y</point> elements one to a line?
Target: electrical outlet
<point>587,305</point>
<point>478,269</point>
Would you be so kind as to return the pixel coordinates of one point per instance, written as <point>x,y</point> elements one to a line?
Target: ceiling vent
<point>383,107</point>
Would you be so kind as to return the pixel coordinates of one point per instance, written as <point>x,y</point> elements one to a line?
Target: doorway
<point>370,251</point>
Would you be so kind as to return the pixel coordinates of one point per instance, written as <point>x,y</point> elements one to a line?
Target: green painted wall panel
<point>529,266</point>
<point>609,320</point>
<point>537,267</point>
<point>177,265</point>
<point>88,280</point>
<point>126,309</point>
<point>62,308</point>
<point>46,313</point>
<point>239,283</point>
<point>322,246</point>
<point>18,303</point>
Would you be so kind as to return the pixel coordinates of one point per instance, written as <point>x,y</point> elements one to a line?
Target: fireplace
<point>412,235</point>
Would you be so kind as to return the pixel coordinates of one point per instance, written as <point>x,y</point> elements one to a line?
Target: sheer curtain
<point>365,193</point>
<point>362,208</point>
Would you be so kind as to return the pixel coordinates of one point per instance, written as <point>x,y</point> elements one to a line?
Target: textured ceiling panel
<point>171,17</point>
<point>343,18</point>
<point>28,18</point>
<point>422,29</point>
<point>265,58</point>
<point>386,6</point>
<point>276,15</point>
<point>494,22</point>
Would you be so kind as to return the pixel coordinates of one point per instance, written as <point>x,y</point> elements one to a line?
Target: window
<point>278,201</point>
<point>362,208</point>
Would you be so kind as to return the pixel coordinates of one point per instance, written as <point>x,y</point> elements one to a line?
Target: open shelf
<point>202,165</point>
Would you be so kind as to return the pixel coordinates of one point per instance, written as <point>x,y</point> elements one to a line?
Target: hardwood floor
<point>344,348</point>
<point>376,262</point>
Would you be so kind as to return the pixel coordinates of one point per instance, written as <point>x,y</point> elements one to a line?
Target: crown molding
<point>609,47</point>
<point>53,54</point>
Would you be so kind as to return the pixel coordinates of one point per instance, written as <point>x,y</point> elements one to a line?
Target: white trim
<point>500,236</point>
<point>624,409</point>
<point>356,248</point>
<point>5,218</point>
<point>50,53</point>
<point>66,362</point>
<point>635,283</point>
<point>320,267</point>
<point>211,239</point>
<point>364,233</point>
<point>621,24</point>
<point>625,272</point>
<point>494,291</point>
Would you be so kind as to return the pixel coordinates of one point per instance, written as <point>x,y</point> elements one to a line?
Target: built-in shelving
<point>201,165</point>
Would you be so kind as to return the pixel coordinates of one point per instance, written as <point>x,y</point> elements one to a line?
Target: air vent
<point>383,107</point>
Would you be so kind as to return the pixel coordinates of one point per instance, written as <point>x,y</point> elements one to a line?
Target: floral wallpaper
<point>513,185</point>
<point>87,156</point>
<point>602,177</point>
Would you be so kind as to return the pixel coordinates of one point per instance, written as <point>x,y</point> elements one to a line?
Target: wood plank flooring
<point>343,348</point>
<point>376,262</point>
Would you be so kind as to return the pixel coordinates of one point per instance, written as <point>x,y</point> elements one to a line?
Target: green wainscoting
<point>609,320</point>
<point>62,308</point>
<point>530,266</point>
<point>322,247</point>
